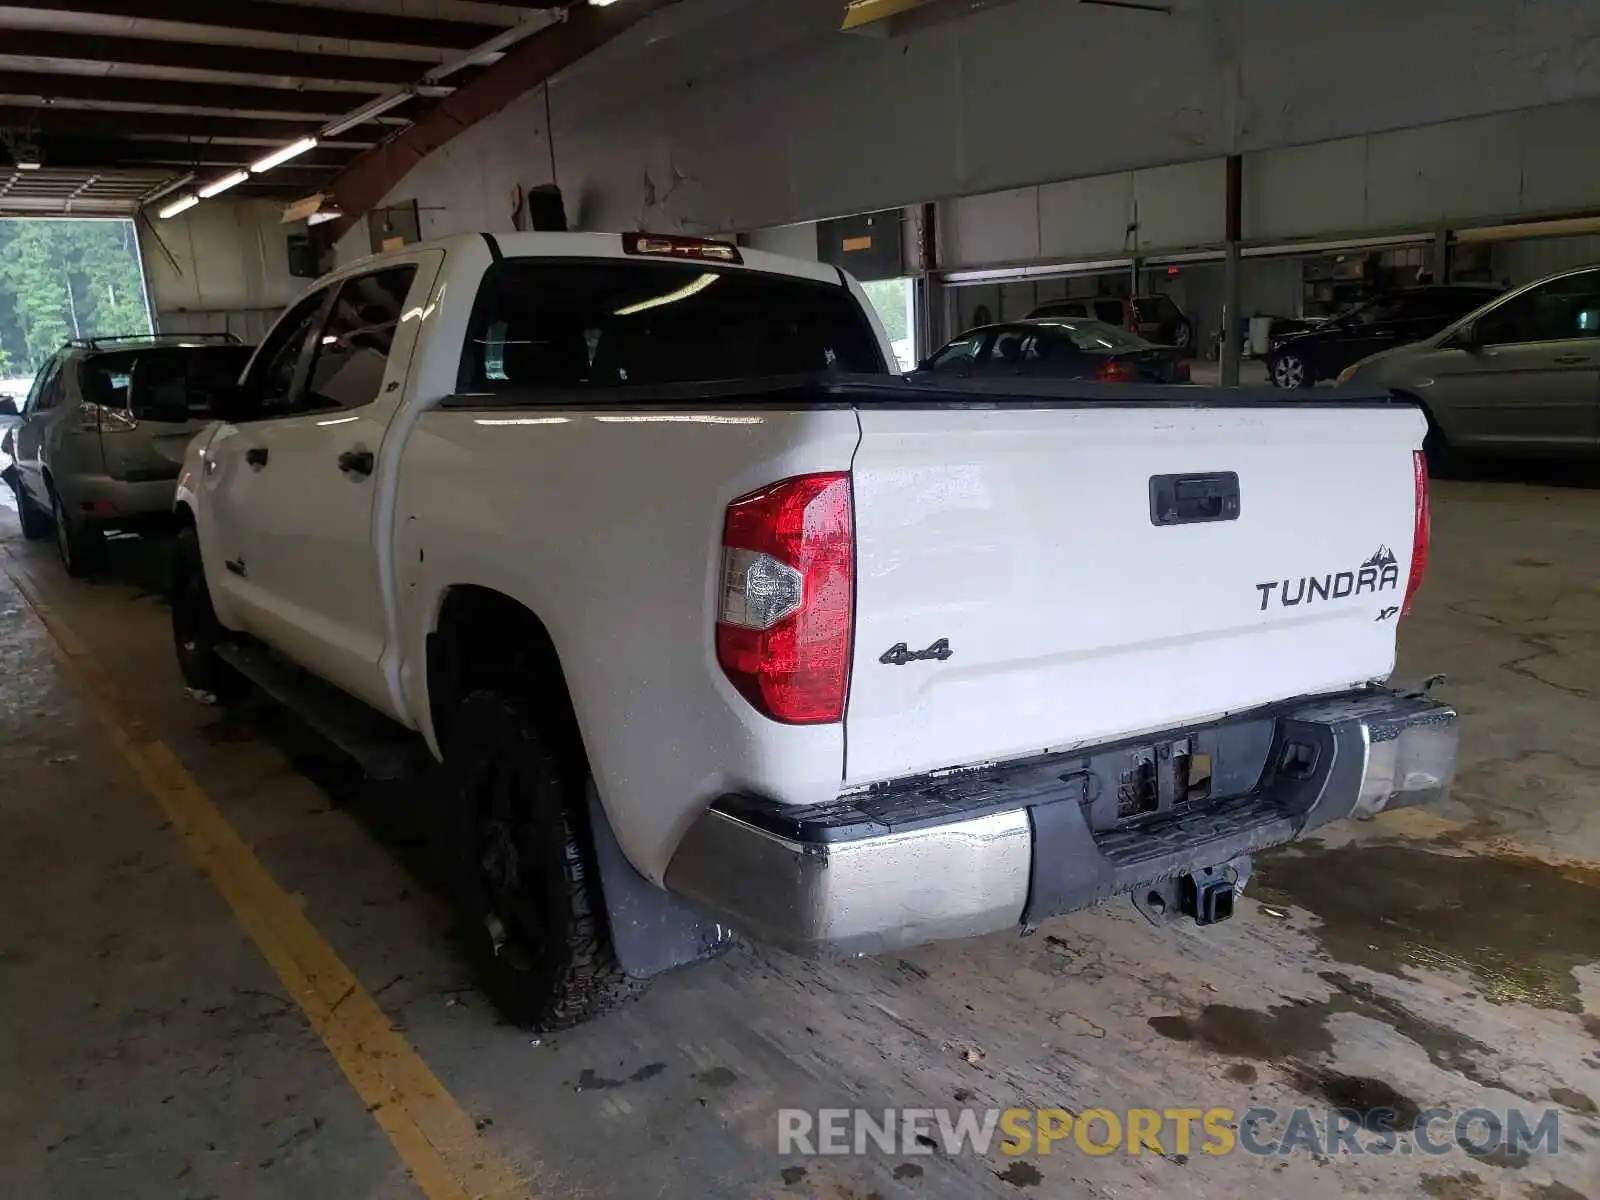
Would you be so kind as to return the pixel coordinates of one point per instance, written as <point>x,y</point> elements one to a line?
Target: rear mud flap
<point>652,931</point>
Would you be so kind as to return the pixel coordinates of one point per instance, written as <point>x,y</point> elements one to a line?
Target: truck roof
<point>596,245</point>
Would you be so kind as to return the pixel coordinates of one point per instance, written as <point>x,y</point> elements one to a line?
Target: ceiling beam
<point>90,153</point>
<point>263,17</point>
<point>526,65</point>
<point>51,118</point>
<point>129,89</point>
<point>242,60</point>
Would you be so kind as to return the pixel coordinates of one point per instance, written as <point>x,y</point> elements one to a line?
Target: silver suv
<point>100,439</point>
<point>1521,375</point>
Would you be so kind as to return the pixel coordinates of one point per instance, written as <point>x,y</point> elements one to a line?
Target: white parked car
<point>713,622</point>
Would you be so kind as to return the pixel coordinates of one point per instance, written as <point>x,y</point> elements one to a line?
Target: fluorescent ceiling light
<point>284,155</point>
<point>689,289</point>
<point>183,204</point>
<point>31,165</point>
<point>369,110</point>
<point>218,186</point>
<point>326,214</point>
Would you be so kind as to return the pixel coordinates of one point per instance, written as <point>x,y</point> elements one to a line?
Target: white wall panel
<point>1181,205</point>
<point>998,227</point>
<point>228,265</point>
<point>1418,177</point>
<point>1302,191</point>
<point>1084,218</point>
<point>797,241</point>
<point>771,116</point>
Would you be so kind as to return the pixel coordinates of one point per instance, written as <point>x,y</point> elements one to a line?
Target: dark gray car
<point>1521,375</point>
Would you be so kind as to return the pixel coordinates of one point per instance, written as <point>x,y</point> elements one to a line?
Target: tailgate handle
<point>1192,499</point>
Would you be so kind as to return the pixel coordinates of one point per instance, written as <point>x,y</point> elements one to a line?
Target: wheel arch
<point>482,637</point>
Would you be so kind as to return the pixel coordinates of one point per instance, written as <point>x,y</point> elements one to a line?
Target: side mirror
<point>1466,338</point>
<point>227,403</point>
<point>8,407</point>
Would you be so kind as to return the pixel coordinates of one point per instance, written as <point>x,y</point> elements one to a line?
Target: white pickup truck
<point>715,622</point>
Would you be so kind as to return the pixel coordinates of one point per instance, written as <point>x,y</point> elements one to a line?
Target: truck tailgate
<point>1015,593</point>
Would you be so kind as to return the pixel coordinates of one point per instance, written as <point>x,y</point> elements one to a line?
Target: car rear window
<point>195,371</point>
<point>587,323</point>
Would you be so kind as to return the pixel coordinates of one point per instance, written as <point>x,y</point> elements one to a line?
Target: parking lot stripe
<point>434,1136</point>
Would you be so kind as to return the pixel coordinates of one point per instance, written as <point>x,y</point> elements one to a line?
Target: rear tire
<point>81,547</point>
<point>196,632</point>
<point>527,880</point>
<point>35,521</point>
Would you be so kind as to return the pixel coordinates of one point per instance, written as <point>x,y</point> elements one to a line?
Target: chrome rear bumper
<point>969,853</point>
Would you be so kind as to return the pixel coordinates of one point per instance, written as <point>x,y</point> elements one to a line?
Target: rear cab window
<point>609,323</point>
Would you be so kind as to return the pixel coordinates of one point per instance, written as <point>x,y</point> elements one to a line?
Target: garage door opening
<point>66,278</point>
<point>894,300</point>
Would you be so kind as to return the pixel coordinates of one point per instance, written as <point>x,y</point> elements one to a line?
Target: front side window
<point>1556,311</point>
<point>269,388</point>
<point>41,387</point>
<point>1007,348</point>
<point>352,352</point>
<point>592,324</point>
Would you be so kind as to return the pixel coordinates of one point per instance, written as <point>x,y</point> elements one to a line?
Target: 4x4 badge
<point>898,655</point>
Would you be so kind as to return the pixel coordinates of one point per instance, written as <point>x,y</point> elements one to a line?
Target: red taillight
<point>787,598</point>
<point>1422,520</point>
<point>1114,371</point>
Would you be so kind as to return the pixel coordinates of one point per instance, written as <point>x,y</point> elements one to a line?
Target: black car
<point>1056,348</point>
<point>1299,359</point>
<point>1154,317</point>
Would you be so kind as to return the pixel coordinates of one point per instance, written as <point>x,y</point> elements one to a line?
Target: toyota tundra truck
<point>707,621</point>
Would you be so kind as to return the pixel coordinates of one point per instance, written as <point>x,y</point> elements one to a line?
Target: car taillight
<point>1421,523</point>
<point>1114,371</point>
<point>787,598</point>
<point>101,418</point>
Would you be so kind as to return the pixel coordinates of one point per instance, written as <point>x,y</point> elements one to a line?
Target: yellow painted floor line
<point>435,1138</point>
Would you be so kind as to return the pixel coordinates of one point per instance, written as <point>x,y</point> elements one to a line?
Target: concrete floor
<point>1431,959</point>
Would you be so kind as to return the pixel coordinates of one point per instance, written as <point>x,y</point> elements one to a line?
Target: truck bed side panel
<point>607,524</point>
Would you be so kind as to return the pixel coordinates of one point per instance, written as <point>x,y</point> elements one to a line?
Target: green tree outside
<point>62,278</point>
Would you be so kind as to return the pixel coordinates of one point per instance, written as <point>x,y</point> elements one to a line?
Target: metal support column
<point>1232,227</point>
<point>1440,265</point>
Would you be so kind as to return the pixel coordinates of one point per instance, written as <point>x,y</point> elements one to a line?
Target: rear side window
<point>1154,308</point>
<point>568,323</point>
<point>1109,311</point>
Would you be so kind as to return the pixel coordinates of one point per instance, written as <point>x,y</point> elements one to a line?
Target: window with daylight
<point>64,278</point>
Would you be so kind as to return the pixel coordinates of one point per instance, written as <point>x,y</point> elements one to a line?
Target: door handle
<point>356,462</point>
<point>256,456</point>
<point>1570,360</point>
